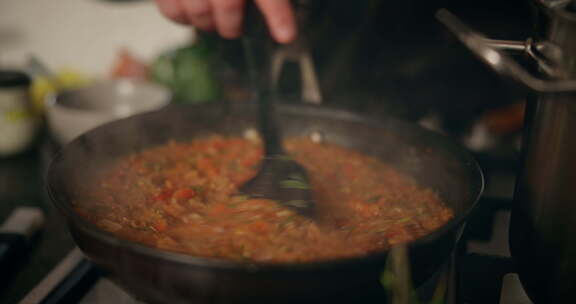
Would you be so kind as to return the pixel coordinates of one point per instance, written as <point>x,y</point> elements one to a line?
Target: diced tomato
<point>141,170</point>
<point>164,195</point>
<point>167,182</point>
<point>364,209</point>
<point>219,144</point>
<point>348,170</point>
<point>259,227</point>
<point>160,225</point>
<point>185,193</point>
<point>219,209</point>
<point>203,163</point>
<point>173,210</point>
<point>212,172</point>
<point>391,234</point>
<point>206,166</point>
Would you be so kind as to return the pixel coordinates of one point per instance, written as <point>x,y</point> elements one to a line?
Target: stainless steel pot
<point>544,212</point>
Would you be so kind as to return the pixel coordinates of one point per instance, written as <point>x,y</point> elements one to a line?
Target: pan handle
<point>269,57</point>
<point>299,52</point>
<point>311,92</point>
<point>490,52</point>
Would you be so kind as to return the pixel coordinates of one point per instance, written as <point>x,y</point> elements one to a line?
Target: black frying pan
<point>157,276</point>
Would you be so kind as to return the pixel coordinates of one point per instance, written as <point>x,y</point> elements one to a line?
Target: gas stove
<point>485,269</point>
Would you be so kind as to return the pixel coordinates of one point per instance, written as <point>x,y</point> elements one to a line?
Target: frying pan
<point>156,276</point>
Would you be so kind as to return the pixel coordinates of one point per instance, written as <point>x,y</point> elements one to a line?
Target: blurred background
<point>366,53</point>
<point>84,35</point>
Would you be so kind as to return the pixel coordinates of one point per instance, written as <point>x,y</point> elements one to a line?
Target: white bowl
<point>74,112</point>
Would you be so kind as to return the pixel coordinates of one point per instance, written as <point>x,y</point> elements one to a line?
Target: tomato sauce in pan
<point>183,197</point>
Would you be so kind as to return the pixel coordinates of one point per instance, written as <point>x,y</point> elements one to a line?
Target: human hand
<point>226,16</point>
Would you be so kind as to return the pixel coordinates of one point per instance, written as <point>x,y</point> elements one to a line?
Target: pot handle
<point>490,52</point>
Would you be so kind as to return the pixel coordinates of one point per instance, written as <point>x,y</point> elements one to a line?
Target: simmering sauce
<point>183,197</point>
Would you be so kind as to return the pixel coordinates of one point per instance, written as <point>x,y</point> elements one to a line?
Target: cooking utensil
<point>155,276</point>
<point>279,178</point>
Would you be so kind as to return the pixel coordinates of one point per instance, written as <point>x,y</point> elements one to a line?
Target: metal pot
<point>544,215</point>
<point>156,276</point>
<point>543,220</point>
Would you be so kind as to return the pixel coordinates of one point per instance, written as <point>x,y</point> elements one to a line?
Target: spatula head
<point>283,180</point>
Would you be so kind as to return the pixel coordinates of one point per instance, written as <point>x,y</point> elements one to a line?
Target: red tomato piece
<point>185,193</point>
<point>160,225</point>
<point>163,195</point>
<point>259,227</point>
<point>206,166</point>
<point>219,209</point>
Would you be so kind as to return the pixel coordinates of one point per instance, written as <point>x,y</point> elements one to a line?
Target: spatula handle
<point>257,48</point>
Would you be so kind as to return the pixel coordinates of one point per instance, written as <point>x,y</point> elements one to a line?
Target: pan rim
<point>218,263</point>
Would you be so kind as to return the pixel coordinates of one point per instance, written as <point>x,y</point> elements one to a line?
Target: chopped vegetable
<point>295,182</point>
<point>374,199</point>
<point>185,193</point>
<point>297,203</point>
